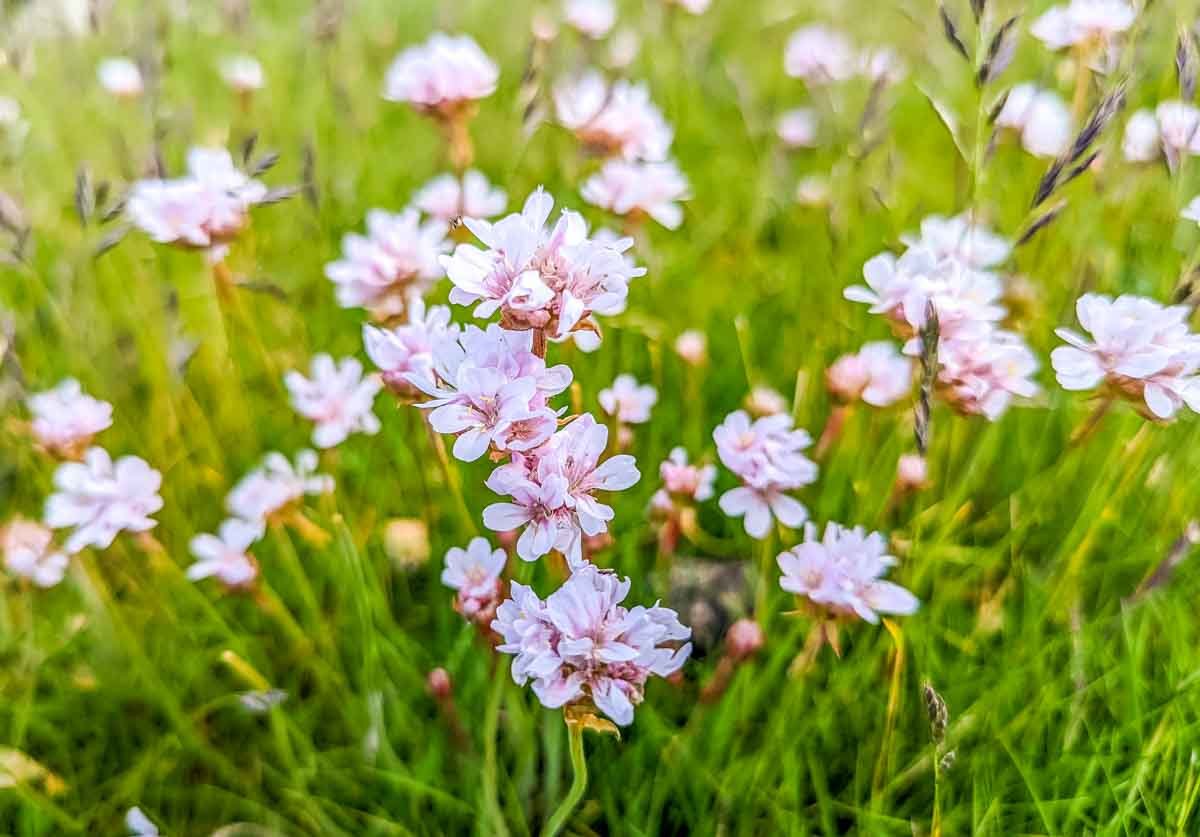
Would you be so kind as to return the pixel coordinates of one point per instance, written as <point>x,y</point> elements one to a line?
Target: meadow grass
<point>1074,707</point>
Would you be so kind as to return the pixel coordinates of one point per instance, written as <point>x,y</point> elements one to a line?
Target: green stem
<point>579,764</point>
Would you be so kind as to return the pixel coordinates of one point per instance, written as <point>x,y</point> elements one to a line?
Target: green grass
<point>115,681</point>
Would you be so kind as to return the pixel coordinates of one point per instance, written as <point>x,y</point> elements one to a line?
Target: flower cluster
<point>1170,131</point>
<point>613,120</point>
<point>593,18</point>
<point>766,455</point>
<point>820,55</point>
<point>269,492</point>
<point>1040,117</point>
<point>98,498</point>
<point>474,574</point>
<point>66,419</point>
<point>683,482</point>
<point>224,556</point>
<point>877,375</point>
<point>337,398</point>
<point>442,76</point>
<point>1139,350</point>
<point>407,349</point>
<point>29,552</point>
<point>636,190</point>
<point>842,573</point>
<point>581,646</point>
<point>1083,22</point>
<point>449,198</point>
<point>627,400</point>
<point>552,279</point>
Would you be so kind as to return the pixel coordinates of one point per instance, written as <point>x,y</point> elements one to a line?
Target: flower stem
<point>539,342</point>
<point>579,764</point>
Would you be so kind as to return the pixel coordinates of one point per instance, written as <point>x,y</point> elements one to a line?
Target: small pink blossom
<point>1139,348</point>
<point>407,349</point>
<point>449,198</point>
<point>98,498</point>
<point>593,18</point>
<point>441,76</point>
<point>1141,142</point>
<point>683,481</point>
<point>765,401</point>
<point>912,472</point>
<point>695,7</point>
<point>636,189</point>
<point>620,120</point>
<point>980,372</point>
<point>962,239</point>
<point>580,646</point>
<point>692,346</point>
<point>224,556</point>
<point>842,572</point>
<point>877,374</point>
<point>766,455</point>
<point>275,486</point>
<point>629,401</point>
<point>744,639</point>
<point>243,73</point>
<point>798,128</point>
<point>121,77</point>
<point>1083,21</point>
<point>1041,117</point>
<point>337,398</point>
<point>66,419</point>
<point>474,573</point>
<point>29,552</point>
<point>820,55</point>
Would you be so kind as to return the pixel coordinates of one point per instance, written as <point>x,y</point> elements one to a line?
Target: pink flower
<point>593,18</point>
<point>397,259</point>
<point>65,419</point>
<point>121,77</point>
<point>98,498</point>
<point>1083,21</point>
<point>474,573</point>
<point>620,120</point>
<point>337,398</point>
<point>842,573</point>
<point>696,7</point>
<point>962,239</point>
<point>980,373</point>
<point>29,552</point>
<point>448,198</point>
<point>1040,117</point>
<point>1141,143</point>
<point>552,489</point>
<point>637,189</point>
<point>764,401</point>
<point>489,389</point>
<point>537,277</point>
<point>1141,349</point>
<point>687,482</point>
<point>224,556</point>
<point>243,73</point>
<point>798,128</point>
<point>878,374</point>
<point>580,645</point>
<point>1178,129</point>
<point>692,346</point>
<point>628,401</point>
<point>407,349</point>
<point>912,472</point>
<point>820,55</point>
<point>766,456</point>
<point>442,75</point>
<point>744,639</point>
<point>276,485</point>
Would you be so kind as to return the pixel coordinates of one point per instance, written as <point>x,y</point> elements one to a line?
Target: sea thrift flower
<point>1178,130</point>
<point>881,64</point>
<point>620,120</point>
<point>491,390</point>
<point>639,189</point>
<point>623,49</point>
<point>962,239</point>
<point>1041,117</point>
<point>842,573</point>
<point>98,498</point>
<point>1141,143</point>
<point>449,198</point>
<point>877,374</point>
<point>764,401</point>
<point>819,55</point>
<point>593,18</point>
<point>443,76</point>
<point>121,77</point>
<point>1083,22</point>
<point>474,573</point>
<point>552,491</point>
<point>66,419</point>
<point>628,401</point>
<point>224,555</point>
<point>692,346</point>
<point>243,73</point>
<point>397,259</point>
<point>268,491</point>
<point>552,279</point>
<point>683,481</point>
<point>798,128</point>
<point>29,552</point>
<point>1139,349</point>
<point>766,456</point>
<point>980,373</point>
<point>912,472</point>
<point>337,398</point>
<point>205,209</point>
<point>408,349</point>
<point>580,646</point>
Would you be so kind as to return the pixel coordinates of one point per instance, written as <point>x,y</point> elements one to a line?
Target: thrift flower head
<point>593,18</point>
<point>121,77</point>
<point>408,349</point>
<point>98,498</point>
<point>692,346</point>
<point>1141,143</point>
<point>552,491</point>
<point>276,485</point>
<point>764,401</point>
<point>538,277</point>
<point>960,238</point>
<point>798,128</point>
<point>581,646</point>
<point>1139,349</point>
<point>337,398</point>
<point>639,189</point>
<point>448,198</point>
<point>224,556</point>
<point>65,419</point>
<point>474,573</point>
<point>683,481</point>
<point>766,455</point>
<point>981,372</point>
<point>912,472</point>
<point>442,76</point>
<point>491,390</point>
<point>696,7</point>
<point>1041,117</point>
<point>1083,22</point>
<point>243,73</point>
<point>617,120</point>
<point>842,573</point>
<point>820,55</point>
<point>29,552</point>
<point>629,401</point>
<point>397,259</point>
<point>877,374</point>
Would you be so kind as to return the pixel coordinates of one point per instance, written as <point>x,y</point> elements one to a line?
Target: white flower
<point>820,55</point>
<point>593,18</point>
<point>474,574</point>
<point>628,401</point>
<point>766,456</point>
<point>1141,143</point>
<point>408,349</point>
<point>1040,117</point>
<point>139,824</point>
<point>242,72</point>
<point>337,398</point>
<point>1083,21</point>
<point>442,76</point>
<point>877,374</point>
<point>447,198</point>
<point>619,120</point>
<point>276,485</point>
<point>224,555</point>
<point>121,77</point>
<point>962,239</point>
<point>66,419</point>
<point>98,498</point>
<point>798,128</point>
<point>29,552</point>
<point>981,371</point>
<point>623,48</point>
<point>633,188</point>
